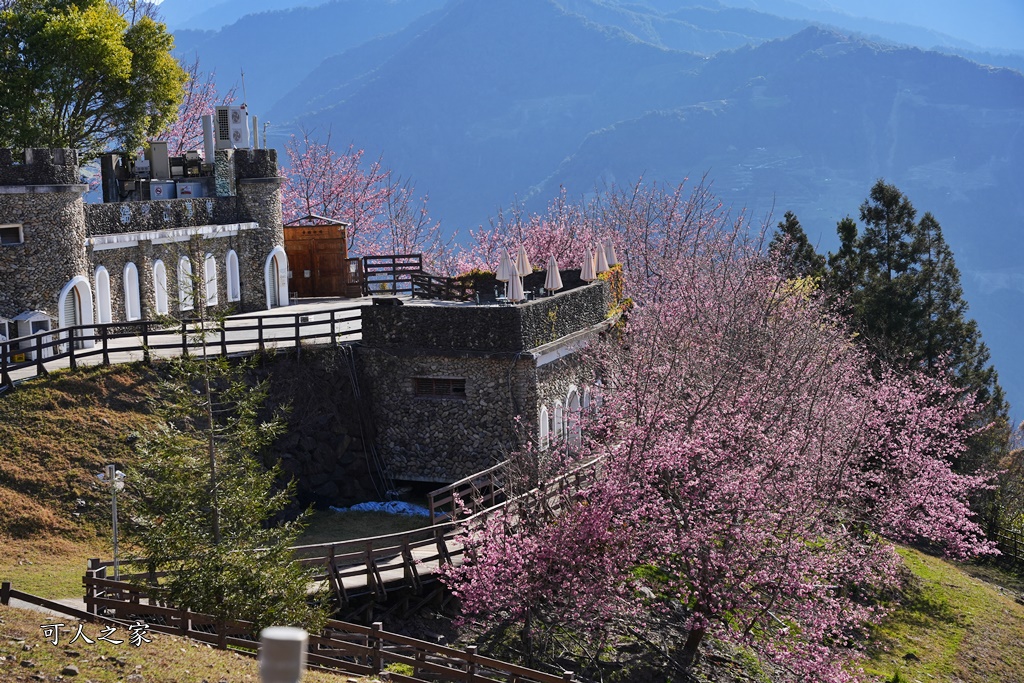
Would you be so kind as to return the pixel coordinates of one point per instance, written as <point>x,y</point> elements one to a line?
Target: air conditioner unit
<point>232,128</point>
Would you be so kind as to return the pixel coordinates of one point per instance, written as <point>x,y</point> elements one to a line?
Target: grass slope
<point>954,624</point>
<point>26,655</point>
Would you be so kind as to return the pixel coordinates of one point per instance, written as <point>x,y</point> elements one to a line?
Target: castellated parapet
<point>121,261</point>
<point>454,389</point>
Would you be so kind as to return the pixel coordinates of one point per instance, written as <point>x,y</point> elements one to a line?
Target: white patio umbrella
<point>515,289</point>
<point>587,273</point>
<point>523,266</point>
<point>609,253</point>
<point>602,260</point>
<point>506,270</point>
<point>553,281</point>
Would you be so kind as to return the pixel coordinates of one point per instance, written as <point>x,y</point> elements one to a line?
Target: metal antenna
<point>243,87</point>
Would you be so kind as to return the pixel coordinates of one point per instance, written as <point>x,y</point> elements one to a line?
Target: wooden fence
<point>341,646</point>
<point>145,338</point>
<point>1011,545</point>
<point>344,646</point>
<point>427,286</point>
<point>390,274</point>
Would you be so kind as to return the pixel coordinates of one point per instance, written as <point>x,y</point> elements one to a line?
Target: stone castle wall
<point>41,191</point>
<point>32,273</point>
<point>442,439</point>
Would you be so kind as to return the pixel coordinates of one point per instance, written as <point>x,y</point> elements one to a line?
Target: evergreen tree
<point>793,251</point>
<point>899,284</point>
<point>201,501</point>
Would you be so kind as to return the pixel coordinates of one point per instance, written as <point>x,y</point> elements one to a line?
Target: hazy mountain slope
<point>277,49</point>
<point>337,77</point>
<point>497,93</point>
<point>808,123</point>
<point>207,15</point>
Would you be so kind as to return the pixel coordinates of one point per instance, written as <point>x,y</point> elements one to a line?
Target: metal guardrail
<point>79,343</point>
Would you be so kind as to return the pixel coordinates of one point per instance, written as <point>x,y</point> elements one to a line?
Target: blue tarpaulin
<point>394,507</point>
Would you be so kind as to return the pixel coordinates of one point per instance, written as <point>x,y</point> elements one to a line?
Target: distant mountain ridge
<point>488,102</point>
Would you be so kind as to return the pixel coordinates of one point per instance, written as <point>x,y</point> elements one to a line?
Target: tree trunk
<point>692,646</point>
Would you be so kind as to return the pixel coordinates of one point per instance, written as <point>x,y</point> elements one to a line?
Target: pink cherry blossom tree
<point>320,181</point>
<point>753,466</point>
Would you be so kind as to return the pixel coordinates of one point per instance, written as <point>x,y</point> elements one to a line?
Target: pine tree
<point>899,284</point>
<point>201,502</point>
<point>793,251</point>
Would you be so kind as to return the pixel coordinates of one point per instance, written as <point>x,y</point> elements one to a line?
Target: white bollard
<point>282,654</point>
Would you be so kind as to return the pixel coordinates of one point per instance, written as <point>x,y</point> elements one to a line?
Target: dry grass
<point>25,655</point>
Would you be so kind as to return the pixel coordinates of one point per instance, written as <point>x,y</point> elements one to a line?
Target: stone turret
<point>43,226</point>
<point>258,188</point>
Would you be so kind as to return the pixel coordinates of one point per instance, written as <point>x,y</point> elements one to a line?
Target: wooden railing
<point>468,496</point>
<point>427,286</point>
<point>343,646</point>
<point>147,338</point>
<point>390,274</point>
<point>1011,545</point>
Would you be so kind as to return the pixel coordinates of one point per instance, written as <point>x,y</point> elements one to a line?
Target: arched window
<point>234,284</point>
<point>132,304</point>
<point>186,300</point>
<point>586,400</point>
<point>103,312</point>
<point>160,288</point>
<point>210,279</point>
<point>544,440</point>
<point>559,422</point>
<point>275,272</point>
<point>573,418</point>
<point>74,307</point>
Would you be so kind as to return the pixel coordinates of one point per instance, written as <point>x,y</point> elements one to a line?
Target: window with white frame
<point>11,233</point>
<point>544,439</point>
<point>234,283</point>
<point>186,300</point>
<point>160,288</point>
<point>132,303</point>
<point>210,279</point>
<point>558,423</point>
<point>104,314</point>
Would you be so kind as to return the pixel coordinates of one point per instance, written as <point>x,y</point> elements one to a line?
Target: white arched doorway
<point>573,418</point>
<point>160,288</point>
<point>210,279</point>
<point>234,284</point>
<point>132,302</point>
<point>544,438</point>
<point>74,307</point>
<point>186,287</point>
<point>275,273</point>
<point>104,312</point>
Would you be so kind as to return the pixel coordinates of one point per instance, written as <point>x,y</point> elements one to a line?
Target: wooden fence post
<point>104,331</point>
<point>334,339</point>
<point>223,340</point>
<point>145,342</point>
<point>72,361</point>
<point>471,664</point>
<point>259,331</point>
<point>184,338</point>
<point>298,336</point>
<point>375,646</point>
<point>5,593</point>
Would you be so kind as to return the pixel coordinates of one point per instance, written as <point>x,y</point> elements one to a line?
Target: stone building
<point>447,380</point>
<point>79,263</point>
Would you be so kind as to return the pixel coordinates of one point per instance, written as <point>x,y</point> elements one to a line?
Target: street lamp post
<point>116,479</point>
